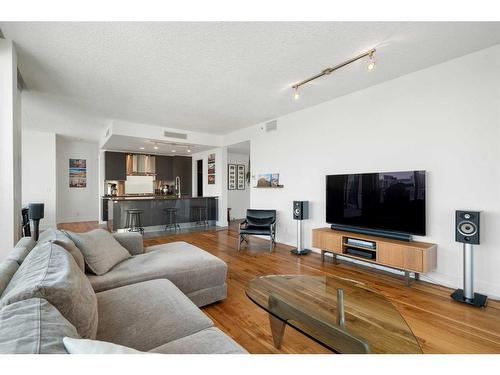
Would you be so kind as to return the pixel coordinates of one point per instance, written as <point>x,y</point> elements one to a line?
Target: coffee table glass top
<point>310,304</point>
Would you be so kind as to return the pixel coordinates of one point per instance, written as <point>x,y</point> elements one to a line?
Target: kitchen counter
<point>153,210</point>
<point>148,197</point>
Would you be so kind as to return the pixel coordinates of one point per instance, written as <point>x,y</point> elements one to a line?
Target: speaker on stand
<point>35,214</point>
<point>300,212</point>
<point>467,232</point>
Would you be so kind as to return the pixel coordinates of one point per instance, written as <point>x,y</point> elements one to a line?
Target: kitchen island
<point>154,216</point>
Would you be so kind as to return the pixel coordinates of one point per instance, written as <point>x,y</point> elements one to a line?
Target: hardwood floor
<point>440,324</point>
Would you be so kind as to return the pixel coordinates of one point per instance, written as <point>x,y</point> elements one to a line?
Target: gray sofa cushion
<point>7,269</point>
<point>50,272</point>
<point>187,266</point>
<point>132,241</point>
<point>33,326</point>
<point>100,250</point>
<point>58,237</point>
<point>209,341</point>
<point>146,315</point>
<point>21,250</point>
<point>203,297</point>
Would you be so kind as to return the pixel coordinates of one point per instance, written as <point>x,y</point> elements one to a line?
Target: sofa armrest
<point>132,241</point>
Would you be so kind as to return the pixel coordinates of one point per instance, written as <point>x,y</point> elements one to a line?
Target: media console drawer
<point>408,258</point>
<point>327,242</point>
<point>412,256</point>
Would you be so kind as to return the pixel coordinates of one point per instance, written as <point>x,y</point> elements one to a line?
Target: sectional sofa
<point>148,301</point>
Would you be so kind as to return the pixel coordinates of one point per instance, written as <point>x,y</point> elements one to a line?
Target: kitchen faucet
<point>178,186</point>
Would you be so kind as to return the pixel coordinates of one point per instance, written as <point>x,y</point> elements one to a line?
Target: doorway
<point>199,178</point>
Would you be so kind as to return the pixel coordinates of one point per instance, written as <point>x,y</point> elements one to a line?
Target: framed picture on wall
<point>211,168</point>
<point>211,158</point>
<point>77,173</point>
<point>211,179</point>
<point>241,176</point>
<point>231,176</point>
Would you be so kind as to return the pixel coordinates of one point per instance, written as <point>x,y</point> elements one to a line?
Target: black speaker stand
<point>300,252</point>
<point>479,300</point>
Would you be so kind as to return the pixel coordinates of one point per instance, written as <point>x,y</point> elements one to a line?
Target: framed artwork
<point>211,158</point>
<point>211,179</point>
<point>268,180</point>
<point>211,168</point>
<point>231,176</point>
<point>241,177</point>
<point>77,173</point>
<point>264,180</point>
<point>275,179</point>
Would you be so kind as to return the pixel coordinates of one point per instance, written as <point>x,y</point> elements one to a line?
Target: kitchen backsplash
<point>139,185</point>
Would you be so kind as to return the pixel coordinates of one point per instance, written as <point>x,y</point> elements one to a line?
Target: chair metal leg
<point>239,242</point>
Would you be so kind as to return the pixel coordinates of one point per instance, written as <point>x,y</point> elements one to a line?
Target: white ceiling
<point>133,144</point>
<point>218,77</point>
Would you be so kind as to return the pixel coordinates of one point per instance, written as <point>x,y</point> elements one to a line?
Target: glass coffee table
<point>341,314</point>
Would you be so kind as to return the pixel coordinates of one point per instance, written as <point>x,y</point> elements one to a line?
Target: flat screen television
<point>383,201</point>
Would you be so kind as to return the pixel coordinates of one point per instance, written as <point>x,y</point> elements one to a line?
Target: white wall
<point>39,173</point>
<point>238,200</point>
<point>219,188</point>
<point>77,204</point>
<point>444,119</point>
<point>10,149</point>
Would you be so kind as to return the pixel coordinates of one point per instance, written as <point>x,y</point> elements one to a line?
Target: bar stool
<point>172,218</point>
<point>199,213</point>
<point>133,222</point>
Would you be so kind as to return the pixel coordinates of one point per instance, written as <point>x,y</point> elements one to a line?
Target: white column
<point>10,149</point>
<point>221,175</point>
<point>101,179</point>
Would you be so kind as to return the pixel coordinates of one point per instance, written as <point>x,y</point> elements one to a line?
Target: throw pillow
<point>100,250</point>
<point>83,346</point>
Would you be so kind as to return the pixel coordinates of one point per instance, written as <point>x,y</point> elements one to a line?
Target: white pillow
<point>84,346</point>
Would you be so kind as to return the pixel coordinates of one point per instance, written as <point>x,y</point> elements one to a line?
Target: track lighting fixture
<point>328,71</point>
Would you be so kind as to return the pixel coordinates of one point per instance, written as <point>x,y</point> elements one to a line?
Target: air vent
<point>175,135</point>
<point>271,125</point>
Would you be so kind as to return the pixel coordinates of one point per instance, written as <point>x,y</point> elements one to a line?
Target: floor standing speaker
<point>300,212</point>
<point>467,229</point>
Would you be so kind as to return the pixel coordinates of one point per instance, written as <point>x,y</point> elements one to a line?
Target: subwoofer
<point>467,232</point>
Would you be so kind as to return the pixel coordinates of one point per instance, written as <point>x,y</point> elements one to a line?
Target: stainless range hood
<point>141,165</point>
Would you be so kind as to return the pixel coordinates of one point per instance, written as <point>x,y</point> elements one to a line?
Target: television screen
<point>392,201</point>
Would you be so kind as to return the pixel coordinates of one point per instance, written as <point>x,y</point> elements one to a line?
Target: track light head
<point>296,95</point>
<point>371,62</point>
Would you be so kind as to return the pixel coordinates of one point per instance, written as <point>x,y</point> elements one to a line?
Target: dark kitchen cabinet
<point>165,168</point>
<point>104,210</point>
<point>184,169</point>
<point>115,166</point>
